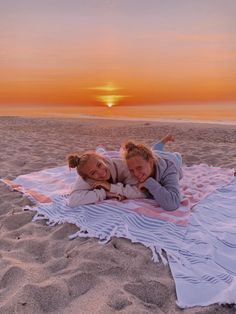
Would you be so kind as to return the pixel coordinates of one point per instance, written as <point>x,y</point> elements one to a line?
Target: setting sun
<point>110,99</point>
<point>85,64</point>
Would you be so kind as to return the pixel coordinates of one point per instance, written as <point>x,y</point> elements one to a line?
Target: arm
<point>114,196</point>
<point>121,189</point>
<point>83,194</point>
<point>127,190</point>
<point>166,193</point>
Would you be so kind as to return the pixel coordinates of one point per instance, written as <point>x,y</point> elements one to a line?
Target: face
<point>96,169</point>
<point>141,169</point>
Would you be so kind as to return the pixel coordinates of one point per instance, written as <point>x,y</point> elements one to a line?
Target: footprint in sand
<point>58,265</point>
<point>81,283</point>
<point>37,249</point>
<point>16,221</point>
<point>6,245</point>
<point>117,301</point>
<point>104,269</point>
<point>103,255</point>
<point>58,250</point>
<point>11,277</point>
<point>41,299</point>
<point>152,292</point>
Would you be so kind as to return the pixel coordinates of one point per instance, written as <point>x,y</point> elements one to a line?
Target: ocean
<point>223,113</point>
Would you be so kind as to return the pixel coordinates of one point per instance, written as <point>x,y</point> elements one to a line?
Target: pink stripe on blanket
<point>10,183</point>
<point>150,209</point>
<point>39,197</point>
<point>198,182</point>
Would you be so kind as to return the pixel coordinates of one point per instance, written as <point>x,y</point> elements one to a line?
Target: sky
<point>120,52</point>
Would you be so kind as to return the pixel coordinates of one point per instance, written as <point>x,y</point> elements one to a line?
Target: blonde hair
<point>130,149</point>
<point>78,162</point>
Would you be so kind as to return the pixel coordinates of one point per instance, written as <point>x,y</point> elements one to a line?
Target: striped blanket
<point>199,238</point>
<point>205,268</point>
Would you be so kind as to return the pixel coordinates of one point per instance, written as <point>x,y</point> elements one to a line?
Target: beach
<point>42,271</point>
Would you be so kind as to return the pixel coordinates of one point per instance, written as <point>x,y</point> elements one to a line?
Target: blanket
<point>205,269</point>
<point>198,181</point>
<point>198,238</point>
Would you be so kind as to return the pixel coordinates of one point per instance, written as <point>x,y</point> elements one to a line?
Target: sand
<point>41,271</point>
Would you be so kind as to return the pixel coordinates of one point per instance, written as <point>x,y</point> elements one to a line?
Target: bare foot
<point>167,138</point>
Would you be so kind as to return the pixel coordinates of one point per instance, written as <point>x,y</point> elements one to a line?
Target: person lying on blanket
<point>101,177</point>
<point>157,172</point>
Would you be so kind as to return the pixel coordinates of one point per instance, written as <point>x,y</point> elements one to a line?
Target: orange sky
<point>127,52</point>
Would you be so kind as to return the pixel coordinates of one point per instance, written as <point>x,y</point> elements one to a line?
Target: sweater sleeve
<point>83,194</point>
<point>166,193</point>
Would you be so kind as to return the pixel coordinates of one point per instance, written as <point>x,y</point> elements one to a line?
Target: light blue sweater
<point>164,186</point>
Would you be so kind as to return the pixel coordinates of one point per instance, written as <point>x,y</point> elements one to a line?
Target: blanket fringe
<point>155,256</point>
<point>158,254</point>
<point>77,234</point>
<point>87,233</point>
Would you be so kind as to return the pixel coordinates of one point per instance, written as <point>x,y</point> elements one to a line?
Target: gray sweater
<point>164,186</point>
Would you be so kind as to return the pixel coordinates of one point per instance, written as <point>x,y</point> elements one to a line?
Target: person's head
<point>90,166</point>
<point>139,159</point>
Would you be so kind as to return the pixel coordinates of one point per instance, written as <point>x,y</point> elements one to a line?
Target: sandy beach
<point>44,272</point>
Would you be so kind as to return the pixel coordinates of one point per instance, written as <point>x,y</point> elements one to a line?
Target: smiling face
<point>141,169</point>
<point>96,169</point>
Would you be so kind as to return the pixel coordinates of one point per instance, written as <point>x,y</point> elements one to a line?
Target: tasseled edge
<point>86,232</point>
<point>157,254</point>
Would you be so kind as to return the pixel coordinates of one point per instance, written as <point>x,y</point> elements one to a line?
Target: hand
<point>115,196</point>
<point>101,185</point>
<point>141,187</point>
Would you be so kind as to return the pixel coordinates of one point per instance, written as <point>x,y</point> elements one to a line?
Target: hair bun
<point>130,146</point>
<point>73,161</point>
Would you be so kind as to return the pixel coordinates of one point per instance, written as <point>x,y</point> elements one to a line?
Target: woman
<point>101,177</point>
<point>157,172</point>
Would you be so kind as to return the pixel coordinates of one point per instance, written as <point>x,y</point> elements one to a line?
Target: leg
<point>160,145</point>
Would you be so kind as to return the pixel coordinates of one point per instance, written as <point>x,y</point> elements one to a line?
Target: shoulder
<point>165,166</point>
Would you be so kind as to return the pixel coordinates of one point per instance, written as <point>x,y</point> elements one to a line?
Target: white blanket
<point>200,240</point>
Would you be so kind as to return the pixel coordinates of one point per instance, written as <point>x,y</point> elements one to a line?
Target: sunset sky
<point>124,52</point>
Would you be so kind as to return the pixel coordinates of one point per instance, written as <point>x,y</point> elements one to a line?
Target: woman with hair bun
<point>102,177</point>
<point>157,172</point>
